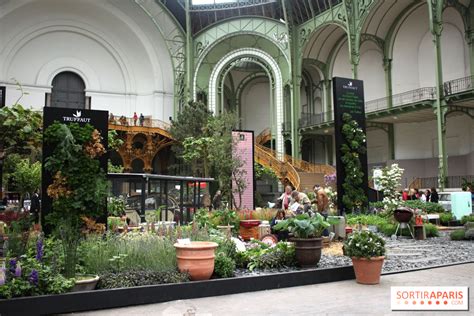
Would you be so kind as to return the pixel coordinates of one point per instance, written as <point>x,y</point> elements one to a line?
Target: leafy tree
<point>27,177</point>
<point>191,122</point>
<point>20,131</point>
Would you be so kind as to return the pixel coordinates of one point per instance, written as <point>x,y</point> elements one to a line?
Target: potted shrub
<point>196,258</point>
<point>306,232</point>
<point>367,251</point>
<point>79,187</point>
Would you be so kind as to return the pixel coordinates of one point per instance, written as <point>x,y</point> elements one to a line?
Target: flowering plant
<point>364,244</point>
<point>389,182</point>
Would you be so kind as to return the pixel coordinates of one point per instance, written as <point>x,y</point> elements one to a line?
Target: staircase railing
<point>282,169</point>
<point>300,164</point>
<point>129,124</point>
<point>264,136</point>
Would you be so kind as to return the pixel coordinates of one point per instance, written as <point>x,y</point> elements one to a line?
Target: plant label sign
<point>98,119</point>
<point>348,96</point>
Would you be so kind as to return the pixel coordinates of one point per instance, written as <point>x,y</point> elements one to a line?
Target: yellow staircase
<point>302,175</point>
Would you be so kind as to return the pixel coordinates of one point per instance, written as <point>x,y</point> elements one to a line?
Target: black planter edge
<point>429,267</point>
<point>113,298</point>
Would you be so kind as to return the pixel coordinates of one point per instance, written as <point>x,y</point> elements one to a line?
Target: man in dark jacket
<point>35,206</point>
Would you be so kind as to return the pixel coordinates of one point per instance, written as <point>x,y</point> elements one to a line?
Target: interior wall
<point>413,64</point>
<point>255,102</point>
<point>377,146</point>
<point>114,46</point>
<point>371,71</point>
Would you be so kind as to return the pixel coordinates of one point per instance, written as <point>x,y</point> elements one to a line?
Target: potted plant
<point>248,226</point>
<point>79,186</point>
<point>196,258</point>
<point>306,232</point>
<point>367,251</point>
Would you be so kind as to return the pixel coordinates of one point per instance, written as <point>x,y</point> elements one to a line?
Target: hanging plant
<point>353,147</point>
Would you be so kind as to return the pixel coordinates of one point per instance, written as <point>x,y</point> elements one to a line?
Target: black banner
<point>98,119</point>
<point>348,96</point>
<point>2,96</point>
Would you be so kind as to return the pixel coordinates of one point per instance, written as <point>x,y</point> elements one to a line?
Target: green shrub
<point>364,244</point>
<point>457,235</point>
<point>444,218</point>
<point>130,278</point>
<point>224,266</point>
<point>376,205</point>
<point>431,230</point>
<point>388,229</point>
<point>375,220</point>
<point>225,246</point>
<point>116,253</point>
<point>261,256</point>
<point>427,207</point>
<point>467,218</point>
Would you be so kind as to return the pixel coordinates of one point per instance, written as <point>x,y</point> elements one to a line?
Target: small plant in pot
<point>367,251</point>
<point>307,232</point>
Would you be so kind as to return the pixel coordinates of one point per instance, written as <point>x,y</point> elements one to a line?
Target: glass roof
<point>199,2</point>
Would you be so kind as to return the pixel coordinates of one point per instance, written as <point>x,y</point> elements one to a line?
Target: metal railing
<point>432,182</point>
<point>308,119</point>
<point>130,122</point>
<point>458,85</point>
<point>286,127</point>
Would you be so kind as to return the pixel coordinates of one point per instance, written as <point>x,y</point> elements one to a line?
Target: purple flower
<point>39,249</point>
<point>12,265</point>
<point>33,278</point>
<point>18,271</point>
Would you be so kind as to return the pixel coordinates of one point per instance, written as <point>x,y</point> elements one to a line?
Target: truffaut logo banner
<point>440,298</point>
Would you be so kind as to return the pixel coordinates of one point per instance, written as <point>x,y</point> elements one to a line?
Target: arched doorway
<point>273,71</point>
<point>68,91</point>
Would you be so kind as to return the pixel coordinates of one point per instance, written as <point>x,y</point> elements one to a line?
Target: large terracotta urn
<point>368,271</point>
<point>196,258</point>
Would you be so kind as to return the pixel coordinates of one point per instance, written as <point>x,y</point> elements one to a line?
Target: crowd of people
<point>429,195</point>
<point>122,120</point>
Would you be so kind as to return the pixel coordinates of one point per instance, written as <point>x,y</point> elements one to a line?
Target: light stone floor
<point>336,298</point>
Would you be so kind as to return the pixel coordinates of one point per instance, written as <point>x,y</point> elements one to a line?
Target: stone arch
<point>278,83</point>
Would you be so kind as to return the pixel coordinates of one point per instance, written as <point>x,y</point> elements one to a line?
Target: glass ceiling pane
<point>198,2</point>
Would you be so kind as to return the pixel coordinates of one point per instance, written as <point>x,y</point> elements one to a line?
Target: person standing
<point>217,200</point>
<point>285,198</point>
<point>35,206</point>
<point>434,197</point>
<point>405,196</point>
<point>142,119</point>
<point>135,118</point>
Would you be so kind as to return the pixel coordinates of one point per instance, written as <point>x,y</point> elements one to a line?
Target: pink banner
<point>243,149</point>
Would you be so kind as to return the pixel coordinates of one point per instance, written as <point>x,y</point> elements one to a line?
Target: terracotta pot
<point>308,251</point>
<point>196,258</point>
<point>249,229</point>
<point>368,271</point>
<point>87,282</point>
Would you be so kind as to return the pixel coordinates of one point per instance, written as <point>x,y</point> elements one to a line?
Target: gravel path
<point>402,254</point>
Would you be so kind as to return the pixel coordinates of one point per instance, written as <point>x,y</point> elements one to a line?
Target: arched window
<point>68,91</point>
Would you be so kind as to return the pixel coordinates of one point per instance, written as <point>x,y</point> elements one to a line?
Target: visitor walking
<point>285,198</point>
<point>142,119</point>
<point>135,118</point>
<point>322,202</point>
<point>217,200</point>
<point>434,197</point>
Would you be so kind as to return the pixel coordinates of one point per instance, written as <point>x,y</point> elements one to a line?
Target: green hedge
<point>458,235</point>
